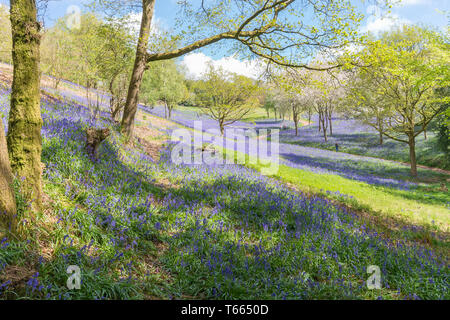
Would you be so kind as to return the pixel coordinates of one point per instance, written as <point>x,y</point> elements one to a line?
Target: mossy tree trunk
<point>7,199</point>
<point>25,122</point>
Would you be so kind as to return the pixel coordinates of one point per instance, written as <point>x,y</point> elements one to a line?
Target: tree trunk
<point>57,80</point>
<point>330,114</point>
<point>295,119</point>
<point>324,128</point>
<point>7,199</point>
<point>380,130</point>
<point>425,133</point>
<point>412,155</point>
<point>138,69</point>
<point>320,121</point>
<point>222,128</point>
<point>25,122</point>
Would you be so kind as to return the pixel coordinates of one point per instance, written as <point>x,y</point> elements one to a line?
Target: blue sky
<point>435,13</point>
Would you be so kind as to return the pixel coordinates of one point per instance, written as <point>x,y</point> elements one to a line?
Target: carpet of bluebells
<point>356,138</point>
<point>213,232</point>
<point>361,168</point>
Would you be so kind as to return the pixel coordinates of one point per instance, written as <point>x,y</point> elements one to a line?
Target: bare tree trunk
<point>324,129</point>
<point>25,122</point>
<point>320,121</point>
<point>7,199</point>
<point>165,110</point>
<point>295,118</point>
<point>129,112</point>
<point>222,128</point>
<point>330,114</point>
<point>425,133</point>
<point>380,130</point>
<point>412,155</point>
<point>57,80</point>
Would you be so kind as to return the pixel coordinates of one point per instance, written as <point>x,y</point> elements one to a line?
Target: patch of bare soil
<point>148,140</point>
<point>17,275</point>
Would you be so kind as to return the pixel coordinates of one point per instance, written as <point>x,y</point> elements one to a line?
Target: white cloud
<point>133,20</point>
<point>404,3</point>
<point>377,24</point>
<point>197,63</point>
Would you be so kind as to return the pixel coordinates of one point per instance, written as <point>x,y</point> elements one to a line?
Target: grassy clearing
<point>254,115</point>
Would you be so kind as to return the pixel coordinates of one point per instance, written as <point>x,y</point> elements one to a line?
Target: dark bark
<point>412,155</point>
<point>93,139</point>
<point>320,121</point>
<point>222,127</point>
<point>295,119</point>
<point>380,130</point>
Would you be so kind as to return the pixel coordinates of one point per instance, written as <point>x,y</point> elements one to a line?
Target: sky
<point>434,13</point>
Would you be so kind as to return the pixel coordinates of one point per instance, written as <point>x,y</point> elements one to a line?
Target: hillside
<point>139,226</point>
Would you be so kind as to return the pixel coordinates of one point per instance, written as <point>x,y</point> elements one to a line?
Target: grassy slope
<point>253,115</point>
<point>425,206</point>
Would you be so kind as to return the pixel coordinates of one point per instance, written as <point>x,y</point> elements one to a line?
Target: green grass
<point>426,205</point>
<point>254,115</point>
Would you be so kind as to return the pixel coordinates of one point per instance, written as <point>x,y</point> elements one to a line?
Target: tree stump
<point>93,139</point>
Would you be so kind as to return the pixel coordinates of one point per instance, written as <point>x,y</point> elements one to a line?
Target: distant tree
<point>407,65</point>
<point>442,125</point>
<point>5,35</point>
<point>114,62</point>
<point>88,50</point>
<point>294,94</point>
<point>365,103</point>
<point>268,102</point>
<point>226,97</point>
<point>165,84</point>
<point>57,52</point>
